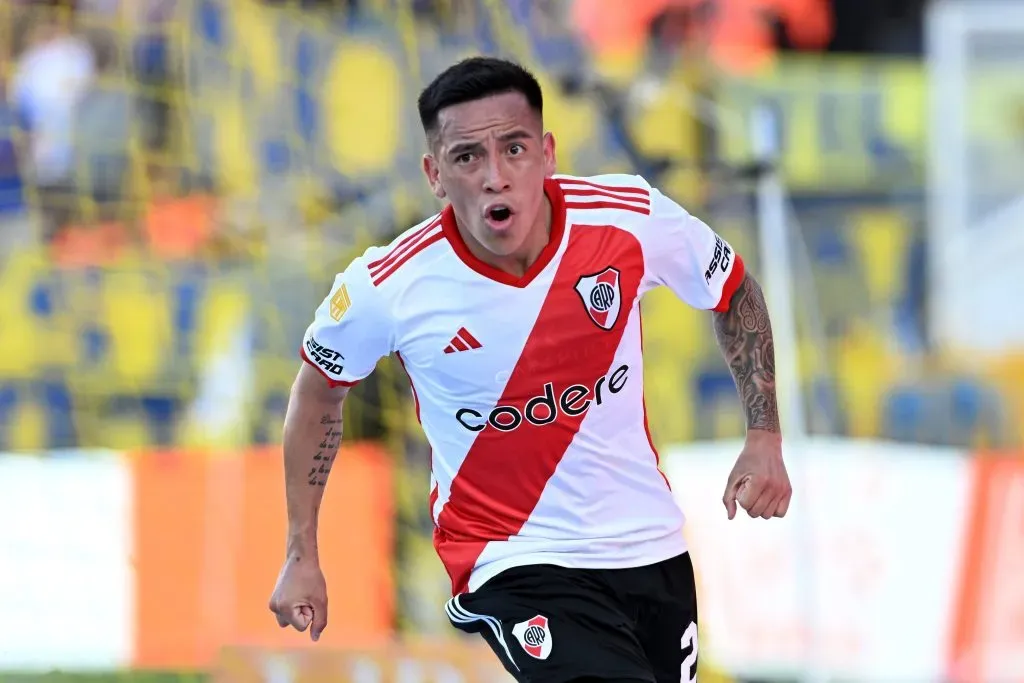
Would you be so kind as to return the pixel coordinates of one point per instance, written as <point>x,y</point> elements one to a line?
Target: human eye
<point>465,158</point>
<point>516,148</point>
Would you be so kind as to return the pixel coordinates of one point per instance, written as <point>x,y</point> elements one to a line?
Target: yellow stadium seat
<point>664,125</point>
<point>882,239</point>
<point>619,67</point>
<point>906,97</point>
<point>136,313</point>
<point>125,432</point>
<point>28,426</point>
<point>676,338</point>
<point>234,152</point>
<point>259,49</point>
<point>363,134</point>
<point>573,120</point>
<point>865,368</point>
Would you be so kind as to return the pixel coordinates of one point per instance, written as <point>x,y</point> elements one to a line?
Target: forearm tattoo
<point>744,334</point>
<point>327,450</point>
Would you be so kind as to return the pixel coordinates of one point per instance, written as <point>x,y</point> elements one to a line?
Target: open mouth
<point>498,216</point>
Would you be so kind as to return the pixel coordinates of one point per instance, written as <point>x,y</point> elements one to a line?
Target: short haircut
<point>474,79</point>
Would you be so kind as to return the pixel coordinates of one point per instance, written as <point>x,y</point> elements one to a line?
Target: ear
<point>433,173</point>
<point>550,162</point>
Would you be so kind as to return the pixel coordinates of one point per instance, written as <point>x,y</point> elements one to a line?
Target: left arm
<point>744,335</point>
<point>704,271</point>
<point>687,256</point>
<point>758,482</point>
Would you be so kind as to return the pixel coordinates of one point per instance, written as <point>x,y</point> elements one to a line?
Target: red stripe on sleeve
<point>732,283</point>
<point>406,243</point>
<point>392,266</point>
<point>578,192</point>
<point>625,190</point>
<point>645,210</point>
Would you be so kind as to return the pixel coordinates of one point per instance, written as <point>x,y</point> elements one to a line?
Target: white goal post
<point>975,67</point>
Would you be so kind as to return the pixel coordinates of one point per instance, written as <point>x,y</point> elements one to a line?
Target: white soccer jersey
<point>530,389</point>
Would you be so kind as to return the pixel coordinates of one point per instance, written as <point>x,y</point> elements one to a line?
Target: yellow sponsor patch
<point>340,302</point>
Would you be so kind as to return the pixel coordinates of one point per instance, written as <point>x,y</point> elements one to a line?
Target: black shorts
<point>550,624</point>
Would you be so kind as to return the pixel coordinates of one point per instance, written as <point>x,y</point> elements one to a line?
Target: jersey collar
<point>451,232</point>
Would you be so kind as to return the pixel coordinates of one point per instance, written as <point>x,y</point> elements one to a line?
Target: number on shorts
<point>688,671</point>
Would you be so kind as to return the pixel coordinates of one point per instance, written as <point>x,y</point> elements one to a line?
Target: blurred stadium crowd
<point>179,178</point>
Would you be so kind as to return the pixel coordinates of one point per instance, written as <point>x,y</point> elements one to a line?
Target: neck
<point>518,262</point>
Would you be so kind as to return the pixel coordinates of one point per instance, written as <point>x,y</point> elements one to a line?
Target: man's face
<point>490,157</point>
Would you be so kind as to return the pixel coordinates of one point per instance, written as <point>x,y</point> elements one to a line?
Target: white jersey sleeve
<point>351,330</point>
<point>684,254</point>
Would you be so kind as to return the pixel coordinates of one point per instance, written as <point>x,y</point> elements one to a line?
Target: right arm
<point>350,332</point>
<point>312,435</point>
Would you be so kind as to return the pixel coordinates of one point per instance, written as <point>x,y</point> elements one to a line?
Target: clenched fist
<point>758,481</point>
<point>300,596</point>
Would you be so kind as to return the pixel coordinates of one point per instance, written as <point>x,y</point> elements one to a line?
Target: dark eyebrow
<point>460,148</point>
<point>518,134</point>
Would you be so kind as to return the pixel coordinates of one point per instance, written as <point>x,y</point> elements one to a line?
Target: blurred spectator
<point>51,76</point>
<point>610,26</point>
<point>734,35</point>
<point>15,228</point>
<point>102,131</point>
<point>154,70</point>
<point>11,199</point>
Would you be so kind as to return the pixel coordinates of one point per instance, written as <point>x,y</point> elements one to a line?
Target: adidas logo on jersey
<point>462,341</point>
<point>573,401</point>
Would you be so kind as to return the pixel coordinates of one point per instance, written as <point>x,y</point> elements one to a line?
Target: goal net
<point>975,56</point>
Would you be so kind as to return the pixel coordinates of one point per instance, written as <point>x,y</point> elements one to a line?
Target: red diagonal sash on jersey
<point>504,473</point>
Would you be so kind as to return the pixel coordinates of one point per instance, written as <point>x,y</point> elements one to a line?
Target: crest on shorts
<point>602,297</point>
<point>535,636</point>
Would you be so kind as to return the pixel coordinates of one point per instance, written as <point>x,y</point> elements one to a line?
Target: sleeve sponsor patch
<point>323,357</point>
<point>720,260</point>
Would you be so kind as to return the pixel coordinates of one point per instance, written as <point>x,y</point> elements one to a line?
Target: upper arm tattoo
<point>327,450</point>
<point>744,334</point>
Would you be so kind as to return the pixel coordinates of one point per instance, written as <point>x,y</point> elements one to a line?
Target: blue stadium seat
<point>956,411</point>
<point>58,404</point>
<point>978,416</point>
<point>211,23</point>
<point>824,412</point>
<point>829,249</point>
<point>8,403</point>
<point>161,413</point>
<point>904,414</point>
<point>715,388</point>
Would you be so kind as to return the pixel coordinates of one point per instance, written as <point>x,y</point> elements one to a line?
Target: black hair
<point>474,79</point>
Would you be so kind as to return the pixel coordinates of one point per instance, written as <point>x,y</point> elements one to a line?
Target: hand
<point>758,481</point>
<point>300,596</point>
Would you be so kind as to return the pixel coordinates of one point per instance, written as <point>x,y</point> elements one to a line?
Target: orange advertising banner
<point>210,532</point>
<point>988,635</point>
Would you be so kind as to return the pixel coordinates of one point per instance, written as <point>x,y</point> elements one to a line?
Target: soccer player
<point>515,312</point>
